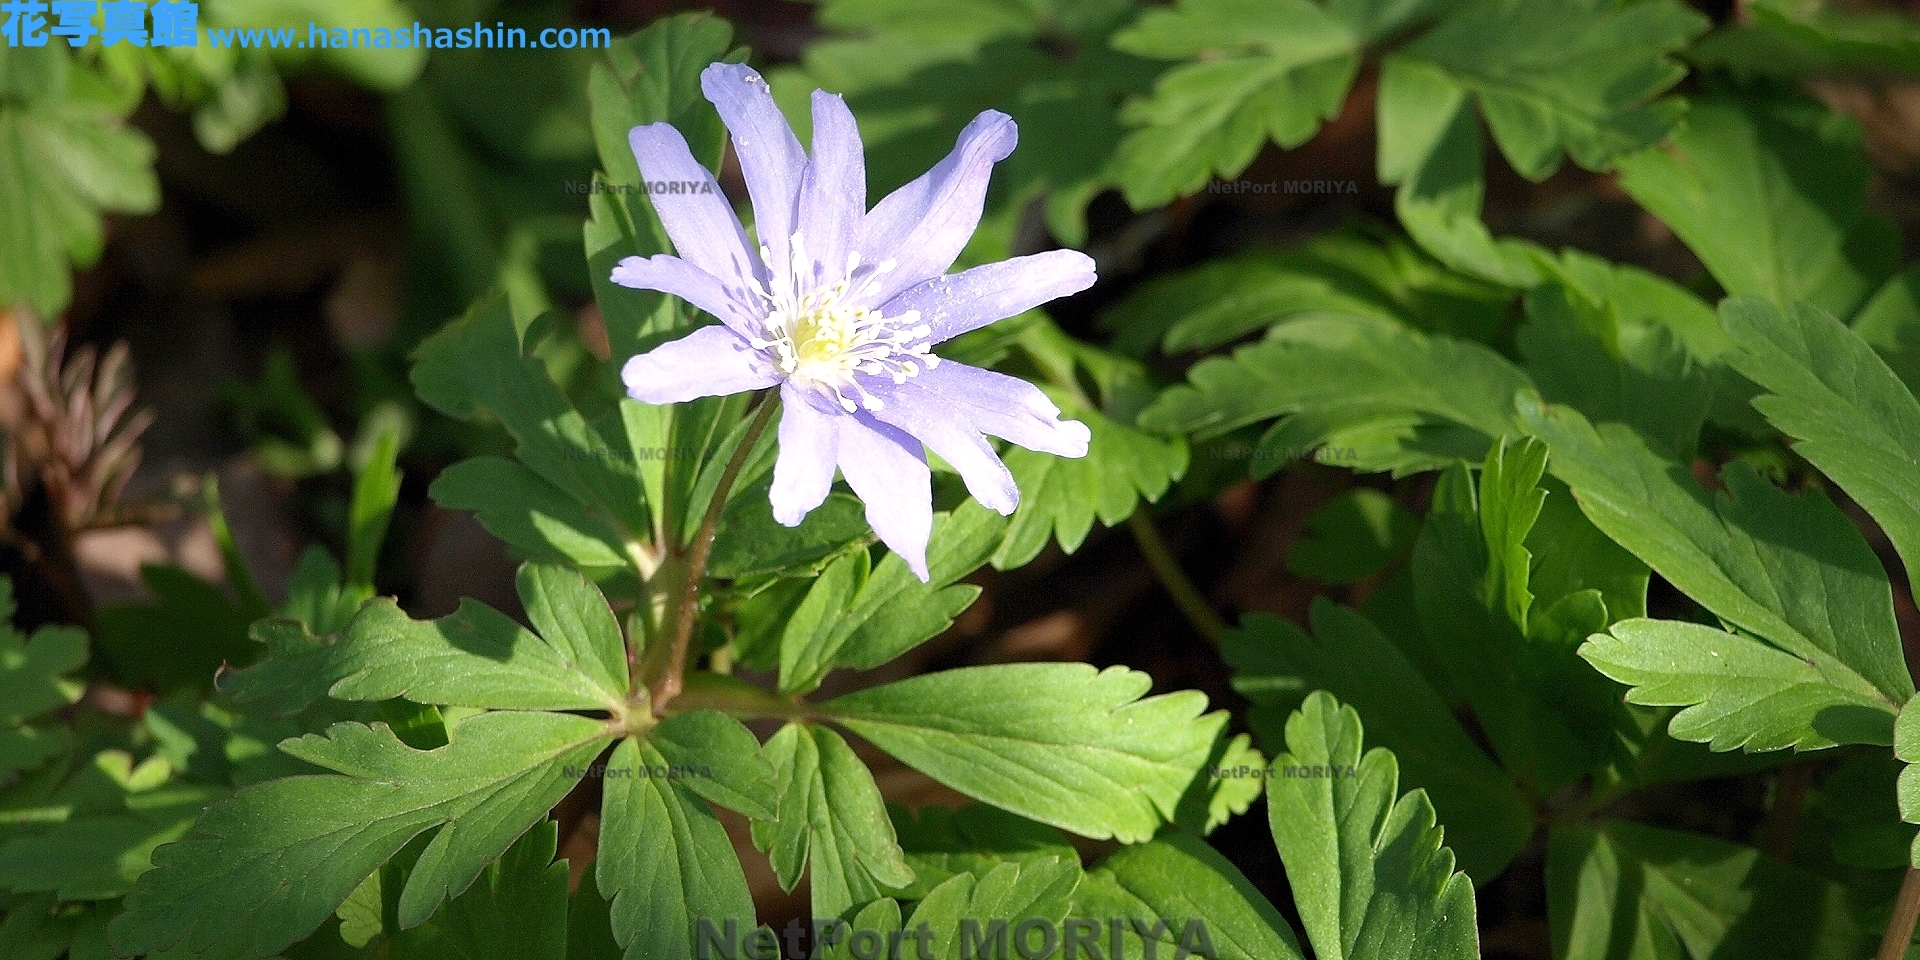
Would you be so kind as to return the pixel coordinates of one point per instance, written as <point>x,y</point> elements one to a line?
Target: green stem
<point>706,690</point>
<point>666,678</point>
<point>1906,910</point>
<point>1185,595</point>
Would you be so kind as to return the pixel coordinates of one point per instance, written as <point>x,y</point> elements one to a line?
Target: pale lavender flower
<point>842,306</point>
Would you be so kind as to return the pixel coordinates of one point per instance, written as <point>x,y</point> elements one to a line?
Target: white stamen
<point>821,339</point>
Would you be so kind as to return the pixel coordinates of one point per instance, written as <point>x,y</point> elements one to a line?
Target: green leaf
<point>1855,807</point>
<point>831,822</point>
<point>733,771</point>
<point>589,923</point>
<point>992,908</point>
<point>32,683</point>
<point>191,630</point>
<point>1545,712</point>
<point>1631,297</point>
<point>1333,375</point>
<point>1906,747</point>
<point>854,619</point>
<point>110,817</point>
<point>1060,497</point>
<point>1791,569</point>
<point>293,674</point>
<point>1575,567</point>
<point>940,843</point>
<point>1849,413</point>
<point>572,615</point>
<point>375,491</point>
<point>749,542</point>
<point>1276,665</point>
<point>41,927</point>
<point>66,157</point>
<point>1770,192</point>
<point>1739,693</point>
<point>1629,892</point>
<point>1795,37</point>
<point>263,869</point>
<point>1367,866</point>
<point>1274,69</point>
<point>882,916</point>
<point>1353,538</point>
<point>515,910</point>
<point>1231,784</point>
<point>916,73</point>
<point>1063,744</point>
<point>1583,353</point>
<point>1555,78</point>
<point>652,76</point>
<point>1345,271</point>
<point>536,517</point>
<point>1430,145</point>
<point>473,657</point>
<point>1181,880</point>
<point>483,362</point>
<point>665,860</point>
<point>1552,79</point>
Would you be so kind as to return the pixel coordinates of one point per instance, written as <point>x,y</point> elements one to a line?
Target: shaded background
<point>271,302</point>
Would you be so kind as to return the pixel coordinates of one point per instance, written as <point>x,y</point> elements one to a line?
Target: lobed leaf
<point>473,657</point>
<point>1847,411</point>
<point>1180,879</point>
<point>940,843</point>
<point>482,363</point>
<point>1344,272</point>
<point>263,869</point>
<point>1263,69</point>
<point>831,822</point>
<point>515,910</point>
<point>1770,192</point>
<point>1277,665</point>
<point>665,861</point>
<point>1739,693</point>
<point>67,156</point>
<point>1790,569</point>
<point>33,682</point>
<point>1063,744</point>
<point>1334,378</point>
<point>856,619</point>
<point>1368,868</point>
<point>1620,890</point>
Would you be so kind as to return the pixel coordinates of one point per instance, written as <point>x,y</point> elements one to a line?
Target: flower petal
<point>712,361</point>
<point>924,225</point>
<point>955,304</point>
<point>673,275</point>
<point>771,159</point>
<point>887,469</point>
<point>947,431</point>
<point>833,193</point>
<point>1007,407</point>
<point>809,445</point>
<point>702,226</point>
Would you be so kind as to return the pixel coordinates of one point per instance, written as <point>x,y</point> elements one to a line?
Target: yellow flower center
<point>821,339</point>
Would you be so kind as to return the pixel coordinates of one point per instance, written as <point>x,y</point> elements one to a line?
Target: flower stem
<point>1906,910</point>
<point>705,690</point>
<point>667,682</point>
<point>1185,595</point>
